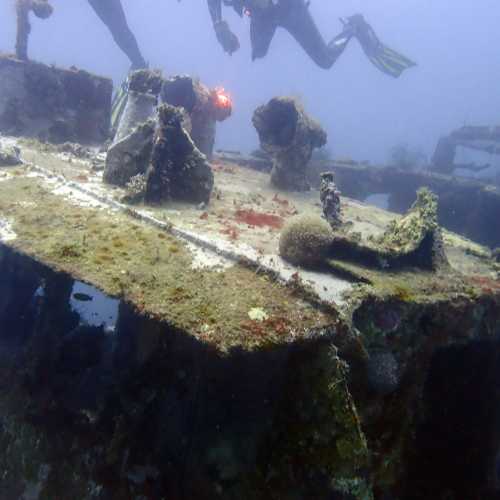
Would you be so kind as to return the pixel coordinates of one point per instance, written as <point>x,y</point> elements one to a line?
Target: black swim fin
<point>382,57</point>
<point>389,61</point>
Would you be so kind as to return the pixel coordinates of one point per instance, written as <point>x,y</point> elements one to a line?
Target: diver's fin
<point>384,58</point>
<point>389,61</point>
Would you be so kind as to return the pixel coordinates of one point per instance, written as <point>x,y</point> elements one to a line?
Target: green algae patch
<point>405,234</point>
<point>153,270</point>
<point>408,285</point>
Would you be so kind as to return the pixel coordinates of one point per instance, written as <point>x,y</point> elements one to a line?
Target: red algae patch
<point>487,285</point>
<point>258,219</point>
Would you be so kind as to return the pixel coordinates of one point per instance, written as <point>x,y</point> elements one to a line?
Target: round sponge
<point>305,240</point>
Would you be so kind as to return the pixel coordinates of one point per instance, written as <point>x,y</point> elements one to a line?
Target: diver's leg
<point>294,16</point>
<point>112,15</point>
<point>262,29</point>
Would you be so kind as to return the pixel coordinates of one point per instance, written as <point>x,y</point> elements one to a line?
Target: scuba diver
<point>112,15</point>
<point>294,16</point>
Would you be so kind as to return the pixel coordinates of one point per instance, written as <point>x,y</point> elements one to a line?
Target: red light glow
<point>222,99</point>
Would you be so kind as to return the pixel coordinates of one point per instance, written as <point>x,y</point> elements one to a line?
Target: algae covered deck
<point>276,378</point>
<point>213,271</point>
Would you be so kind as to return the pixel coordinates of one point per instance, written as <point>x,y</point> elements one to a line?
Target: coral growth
<point>9,156</point>
<point>404,234</point>
<point>178,170</point>
<point>417,236</point>
<point>146,81</point>
<point>136,187</point>
<point>330,199</point>
<point>289,135</point>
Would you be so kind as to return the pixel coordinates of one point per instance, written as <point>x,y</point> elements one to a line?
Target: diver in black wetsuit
<point>113,16</point>
<point>294,16</point>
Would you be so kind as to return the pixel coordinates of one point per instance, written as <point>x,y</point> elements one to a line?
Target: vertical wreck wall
<point>146,411</point>
<point>53,104</point>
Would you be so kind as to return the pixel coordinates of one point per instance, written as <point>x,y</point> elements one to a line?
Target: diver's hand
<point>226,37</point>
<point>42,8</point>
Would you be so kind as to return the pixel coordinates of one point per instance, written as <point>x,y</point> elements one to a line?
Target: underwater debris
<point>467,206</point>
<point>177,171</point>
<point>204,107</point>
<point>144,86</point>
<point>130,156</point>
<point>416,239</point>
<point>481,138</point>
<point>306,240</point>
<point>163,151</point>
<point>146,81</point>
<point>443,159</point>
<point>139,108</point>
<point>139,102</point>
<point>136,189</point>
<point>404,157</point>
<point>42,9</point>
<point>413,241</point>
<point>9,156</point>
<point>330,199</point>
<point>289,135</point>
<point>53,104</point>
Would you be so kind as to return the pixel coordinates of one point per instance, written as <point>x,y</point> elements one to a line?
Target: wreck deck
<point>316,366</point>
<point>56,193</point>
<point>187,264</point>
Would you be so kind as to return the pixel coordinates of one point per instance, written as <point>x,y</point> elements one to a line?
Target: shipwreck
<point>182,348</point>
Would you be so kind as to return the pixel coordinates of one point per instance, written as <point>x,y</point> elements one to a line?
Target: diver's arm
<point>225,36</point>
